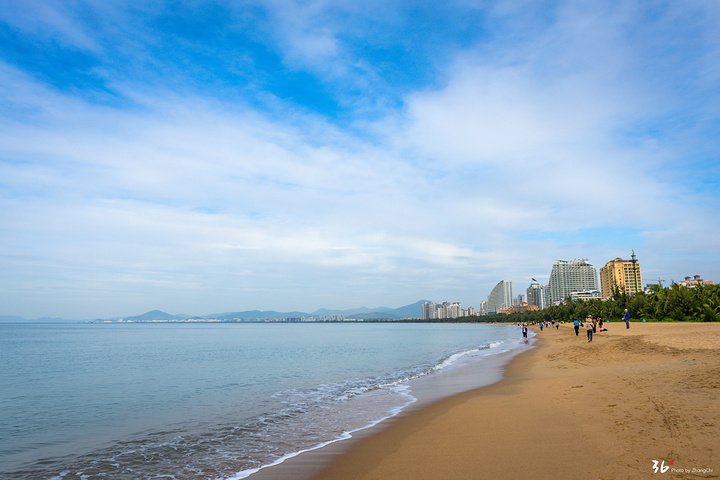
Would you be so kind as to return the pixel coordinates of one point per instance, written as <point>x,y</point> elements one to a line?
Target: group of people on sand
<point>548,324</point>
<point>591,325</point>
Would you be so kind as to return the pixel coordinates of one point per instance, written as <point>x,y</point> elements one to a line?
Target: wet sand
<point>566,409</point>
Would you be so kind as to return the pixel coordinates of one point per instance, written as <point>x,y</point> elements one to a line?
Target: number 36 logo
<point>662,468</point>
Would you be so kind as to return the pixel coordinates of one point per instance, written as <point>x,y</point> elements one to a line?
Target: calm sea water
<point>212,401</point>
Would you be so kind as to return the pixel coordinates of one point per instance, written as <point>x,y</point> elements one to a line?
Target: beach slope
<point>567,409</point>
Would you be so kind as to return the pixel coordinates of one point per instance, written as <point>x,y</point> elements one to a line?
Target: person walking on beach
<point>524,332</point>
<point>626,317</point>
<point>577,327</point>
<point>594,324</point>
<point>589,326</point>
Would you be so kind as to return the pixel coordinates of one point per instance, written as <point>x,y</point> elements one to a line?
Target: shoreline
<point>427,390</point>
<point>567,409</point>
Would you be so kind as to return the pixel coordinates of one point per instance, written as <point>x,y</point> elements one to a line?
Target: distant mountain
<point>155,315</point>
<point>16,319</point>
<point>259,314</point>
<point>373,316</point>
<point>363,313</point>
<point>351,311</point>
<point>51,320</point>
<point>413,310</point>
<point>408,311</point>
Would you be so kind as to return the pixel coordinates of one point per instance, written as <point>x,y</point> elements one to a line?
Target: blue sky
<point>200,157</point>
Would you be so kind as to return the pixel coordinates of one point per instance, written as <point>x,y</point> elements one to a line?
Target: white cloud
<point>188,203</point>
<point>50,21</point>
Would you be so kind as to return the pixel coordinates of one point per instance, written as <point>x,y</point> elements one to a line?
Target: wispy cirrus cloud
<point>298,155</point>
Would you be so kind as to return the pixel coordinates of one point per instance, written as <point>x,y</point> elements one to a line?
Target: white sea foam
<point>343,436</point>
<point>234,399</point>
<point>401,386</point>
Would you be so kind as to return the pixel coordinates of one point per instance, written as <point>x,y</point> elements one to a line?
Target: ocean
<point>190,401</point>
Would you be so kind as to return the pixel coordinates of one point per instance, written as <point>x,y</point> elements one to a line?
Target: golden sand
<point>567,409</point>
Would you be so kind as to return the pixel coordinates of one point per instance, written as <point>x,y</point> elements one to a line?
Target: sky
<point>202,157</point>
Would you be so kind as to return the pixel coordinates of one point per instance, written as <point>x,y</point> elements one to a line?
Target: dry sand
<point>567,409</point>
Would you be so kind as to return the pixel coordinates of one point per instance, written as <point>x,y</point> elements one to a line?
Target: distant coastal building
<point>585,295</point>
<point>695,281</point>
<point>483,307</point>
<point>452,310</point>
<point>432,310</point>
<point>571,276</point>
<point>537,295</point>
<point>622,276</point>
<point>501,297</point>
<point>328,318</point>
<point>429,310</point>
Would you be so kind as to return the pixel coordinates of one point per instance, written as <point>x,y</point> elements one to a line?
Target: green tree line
<point>675,303</point>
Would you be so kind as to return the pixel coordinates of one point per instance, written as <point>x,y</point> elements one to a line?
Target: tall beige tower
<point>623,275</point>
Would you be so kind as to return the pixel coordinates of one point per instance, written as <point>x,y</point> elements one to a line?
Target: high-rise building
<point>432,310</point>
<point>537,295</point>
<point>571,276</point>
<point>452,310</point>
<point>500,297</point>
<point>429,310</point>
<point>622,276</point>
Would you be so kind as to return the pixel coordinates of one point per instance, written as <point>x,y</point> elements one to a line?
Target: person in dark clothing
<point>577,327</point>
<point>626,317</point>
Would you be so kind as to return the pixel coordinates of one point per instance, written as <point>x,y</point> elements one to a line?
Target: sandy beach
<point>567,409</point>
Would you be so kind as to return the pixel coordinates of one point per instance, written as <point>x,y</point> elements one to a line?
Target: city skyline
<point>509,299</point>
<point>220,156</point>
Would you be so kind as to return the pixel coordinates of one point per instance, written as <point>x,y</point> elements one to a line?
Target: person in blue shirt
<point>626,317</point>
<point>577,327</point>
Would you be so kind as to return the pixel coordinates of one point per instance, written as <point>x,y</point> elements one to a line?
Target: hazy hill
<point>413,310</point>
<point>351,311</point>
<point>259,314</point>
<point>16,319</point>
<point>155,315</point>
<point>408,311</point>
